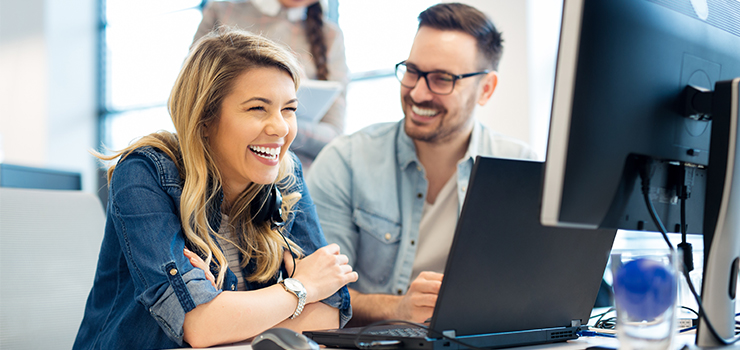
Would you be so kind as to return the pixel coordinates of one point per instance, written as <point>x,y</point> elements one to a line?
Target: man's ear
<point>486,87</point>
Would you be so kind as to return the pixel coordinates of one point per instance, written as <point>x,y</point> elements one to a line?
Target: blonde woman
<point>318,44</point>
<point>199,249</point>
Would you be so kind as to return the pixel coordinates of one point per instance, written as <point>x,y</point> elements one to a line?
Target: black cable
<point>609,323</point>
<point>684,246</point>
<point>601,315</point>
<point>364,345</point>
<point>292,256</point>
<point>704,317</point>
<point>684,195</point>
<point>659,223</point>
<point>690,309</point>
<point>653,213</point>
<point>277,225</point>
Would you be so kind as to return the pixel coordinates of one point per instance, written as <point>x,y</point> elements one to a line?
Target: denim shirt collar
<point>475,140</point>
<point>406,153</point>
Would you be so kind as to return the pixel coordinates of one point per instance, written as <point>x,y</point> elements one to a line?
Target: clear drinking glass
<point>645,294</point>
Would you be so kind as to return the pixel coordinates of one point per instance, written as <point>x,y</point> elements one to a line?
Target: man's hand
<point>418,303</point>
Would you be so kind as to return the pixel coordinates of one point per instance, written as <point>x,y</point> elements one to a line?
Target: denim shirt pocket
<point>378,246</point>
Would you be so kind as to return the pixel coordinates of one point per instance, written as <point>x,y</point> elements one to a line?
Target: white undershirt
<point>436,230</point>
<point>231,251</point>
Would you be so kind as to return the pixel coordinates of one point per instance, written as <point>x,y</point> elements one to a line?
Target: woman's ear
<point>487,86</point>
<point>205,131</point>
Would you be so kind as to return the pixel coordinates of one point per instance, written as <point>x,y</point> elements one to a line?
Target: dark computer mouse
<point>283,339</point>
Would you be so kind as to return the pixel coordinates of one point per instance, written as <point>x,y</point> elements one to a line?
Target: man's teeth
<point>265,152</point>
<point>423,111</point>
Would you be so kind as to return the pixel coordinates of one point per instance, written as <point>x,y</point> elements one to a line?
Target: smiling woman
<point>256,127</point>
<point>185,255</point>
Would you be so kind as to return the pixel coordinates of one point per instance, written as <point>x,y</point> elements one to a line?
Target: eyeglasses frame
<point>423,74</point>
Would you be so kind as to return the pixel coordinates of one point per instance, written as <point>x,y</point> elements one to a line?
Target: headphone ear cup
<point>267,206</point>
<point>277,207</point>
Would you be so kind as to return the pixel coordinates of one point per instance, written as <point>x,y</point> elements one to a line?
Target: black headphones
<point>267,207</point>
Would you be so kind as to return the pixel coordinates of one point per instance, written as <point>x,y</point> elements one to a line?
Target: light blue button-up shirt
<point>369,189</point>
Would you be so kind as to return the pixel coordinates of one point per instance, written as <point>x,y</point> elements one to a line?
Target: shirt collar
<point>406,150</point>
<point>273,7</point>
<point>475,139</point>
<point>406,153</point>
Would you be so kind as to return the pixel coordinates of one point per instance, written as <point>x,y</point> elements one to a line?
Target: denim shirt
<point>369,189</point>
<point>144,284</point>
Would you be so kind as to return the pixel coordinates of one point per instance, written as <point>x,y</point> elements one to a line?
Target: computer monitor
<point>19,176</point>
<point>625,125</point>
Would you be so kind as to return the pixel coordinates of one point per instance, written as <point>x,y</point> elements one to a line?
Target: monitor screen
<point>18,176</point>
<point>620,130</point>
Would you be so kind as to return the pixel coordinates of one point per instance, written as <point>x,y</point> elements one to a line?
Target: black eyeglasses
<point>438,82</point>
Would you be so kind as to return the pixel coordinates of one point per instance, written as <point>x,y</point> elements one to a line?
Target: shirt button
<point>399,292</point>
<point>413,242</point>
<point>464,188</point>
<point>173,272</point>
<point>387,236</point>
<point>418,168</point>
<point>419,195</point>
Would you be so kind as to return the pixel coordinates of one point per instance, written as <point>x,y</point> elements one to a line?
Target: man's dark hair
<point>467,19</point>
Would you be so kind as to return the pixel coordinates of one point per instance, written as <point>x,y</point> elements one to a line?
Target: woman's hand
<point>322,273</point>
<point>196,261</point>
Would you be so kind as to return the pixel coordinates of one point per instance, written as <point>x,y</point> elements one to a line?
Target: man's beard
<point>443,131</point>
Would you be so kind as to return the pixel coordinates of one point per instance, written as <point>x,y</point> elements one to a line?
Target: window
<point>373,48</point>
<point>144,45</point>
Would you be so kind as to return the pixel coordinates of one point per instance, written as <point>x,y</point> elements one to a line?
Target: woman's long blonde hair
<point>206,78</point>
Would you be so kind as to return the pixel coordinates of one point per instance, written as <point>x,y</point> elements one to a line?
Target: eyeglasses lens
<point>440,83</point>
<point>437,82</point>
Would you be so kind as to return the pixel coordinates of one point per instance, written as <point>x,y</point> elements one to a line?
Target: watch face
<point>292,284</point>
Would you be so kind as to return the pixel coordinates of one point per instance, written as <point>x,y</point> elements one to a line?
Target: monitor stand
<point>722,230</point>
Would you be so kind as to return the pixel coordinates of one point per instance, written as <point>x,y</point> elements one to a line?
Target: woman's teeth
<point>265,152</point>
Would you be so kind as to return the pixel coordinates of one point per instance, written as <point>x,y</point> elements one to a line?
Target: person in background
<point>199,247</point>
<point>390,195</point>
<point>319,44</point>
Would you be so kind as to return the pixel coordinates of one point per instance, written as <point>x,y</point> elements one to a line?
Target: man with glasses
<point>390,194</point>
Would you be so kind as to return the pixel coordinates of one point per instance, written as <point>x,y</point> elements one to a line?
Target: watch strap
<point>300,294</point>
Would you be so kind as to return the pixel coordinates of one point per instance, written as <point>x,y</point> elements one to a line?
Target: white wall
<point>508,110</point>
<point>520,106</point>
<point>48,85</point>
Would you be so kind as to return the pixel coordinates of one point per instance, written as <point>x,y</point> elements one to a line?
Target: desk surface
<point>578,344</point>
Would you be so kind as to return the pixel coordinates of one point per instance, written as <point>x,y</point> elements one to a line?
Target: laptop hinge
<point>449,334</point>
<point>575,323</point>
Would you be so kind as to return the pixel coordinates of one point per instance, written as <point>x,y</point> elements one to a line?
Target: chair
<point>49,244</point>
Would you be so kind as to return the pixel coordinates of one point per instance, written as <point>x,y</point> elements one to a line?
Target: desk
<point>578,344</point>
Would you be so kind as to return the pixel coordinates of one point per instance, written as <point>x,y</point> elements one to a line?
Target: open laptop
<point>509,281</point>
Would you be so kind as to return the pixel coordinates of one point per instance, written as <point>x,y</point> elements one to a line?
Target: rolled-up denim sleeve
<point>340,300</point>
<point>148,228</point>
<point>305,231</point>
<point>182,295</point>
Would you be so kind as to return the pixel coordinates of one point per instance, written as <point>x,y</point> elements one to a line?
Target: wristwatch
<point>295,286</point>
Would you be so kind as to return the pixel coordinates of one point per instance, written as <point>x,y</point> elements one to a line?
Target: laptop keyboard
<point>407,332</point>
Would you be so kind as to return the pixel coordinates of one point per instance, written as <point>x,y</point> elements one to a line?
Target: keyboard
<point>407,332</point>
